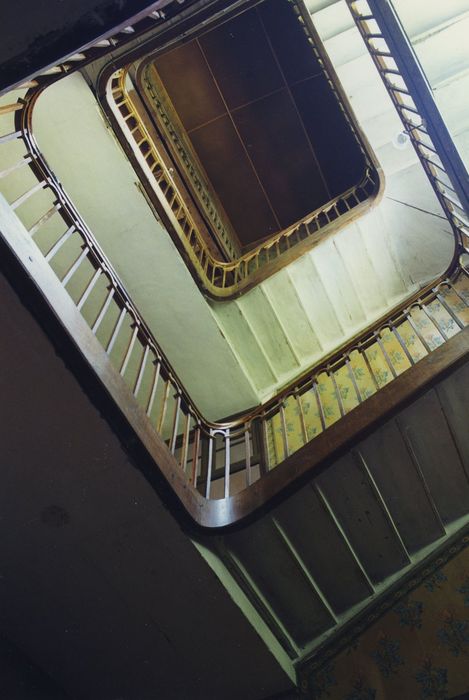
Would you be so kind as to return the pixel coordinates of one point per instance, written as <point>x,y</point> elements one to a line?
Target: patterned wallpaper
<point>379,365</point>
<point>418,649</point>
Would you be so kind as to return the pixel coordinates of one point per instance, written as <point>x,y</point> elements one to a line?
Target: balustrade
<point>222,459</point>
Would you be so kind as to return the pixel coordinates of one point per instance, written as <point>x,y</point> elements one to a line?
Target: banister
<point>391,29</point>
<point>156,404</point>
<point>219,278</point>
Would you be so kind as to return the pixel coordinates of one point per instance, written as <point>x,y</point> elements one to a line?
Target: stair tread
<point>265,324</point>
<point>391,465</point>
<point>338,284</point>
<point>425,427</point>
<point>289,592</point>
<point>362,518</point>
<point>327,558</point>
<point>351,245</point>
<point>282,292</point>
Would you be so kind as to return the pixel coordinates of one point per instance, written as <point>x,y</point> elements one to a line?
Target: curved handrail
<point>204,454</point>
<point>218,278</point>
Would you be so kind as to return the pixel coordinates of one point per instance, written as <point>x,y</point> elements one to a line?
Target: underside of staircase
<point>351,535</point>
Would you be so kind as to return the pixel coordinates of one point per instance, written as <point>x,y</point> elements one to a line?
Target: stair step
<point>319,310</point>
<point>293,599</point>
<point>351,245</point>
<point>376,236</point>
<point>245,344</point>
<point>364,520</point>
<point>325,556</point>
<point>396,475</point>
<point>432,446</point>
<point>265,324</point>
<point>338,285</point>
<point>287,303</point>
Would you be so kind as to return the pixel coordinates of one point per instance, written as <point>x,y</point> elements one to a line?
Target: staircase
<point>342,540</point>
<point>312,564</point>
<point>301,314</point>
<point>261,341</point>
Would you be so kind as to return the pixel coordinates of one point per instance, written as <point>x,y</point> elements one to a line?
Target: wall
<point>418,649</point>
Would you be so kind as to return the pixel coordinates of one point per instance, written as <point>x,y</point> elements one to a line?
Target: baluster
<point>402,343</point>
<point>116,330</point>
<point>460,296</point>
<point>11,136</point>
<point>433,320</point>
<point>164,405</point>
<point>172,445</point>
<point>284,429</point>
<point>448,309</point>
<point>21,163</point>
<point>227,463</point>
<point>58,244</point>
<point>195,456</point>
<point>156,377</point>
<point>185,442</point>
<point>20,200</point>
<point>104,308</point>
<point>337,392</point>
<point>362,352</point>
<point>264,445</point>
<point>302,418</point>
<point>208,485</point>
<point>351,374</point>
<point>74,267</point>
<point>322,417</point>
<point>88,289</point>
<point>416,330</point>
<point>379,340</point>
<point>44,218</point>
<point>130,347</point>
<point>247,443</point>
<point>141,371</point>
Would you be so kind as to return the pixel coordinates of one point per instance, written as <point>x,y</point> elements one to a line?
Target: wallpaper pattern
<point>370,373</point>
<point>418,649</point>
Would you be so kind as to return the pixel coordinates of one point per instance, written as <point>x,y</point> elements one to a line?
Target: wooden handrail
<point>191,451</point>
<point>218,278</point>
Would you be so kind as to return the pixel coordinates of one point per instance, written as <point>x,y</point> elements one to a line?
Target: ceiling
<point>262,119</point>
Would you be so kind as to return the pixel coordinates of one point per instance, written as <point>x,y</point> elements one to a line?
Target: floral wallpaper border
<point>317,676</point>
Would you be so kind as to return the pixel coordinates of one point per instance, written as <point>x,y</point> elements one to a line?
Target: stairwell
<point>383,507</point>
<point>287,323</point>
<point>357,531</point>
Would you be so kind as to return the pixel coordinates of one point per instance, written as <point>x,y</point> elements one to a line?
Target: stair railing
<point>219,462</point>
<point>218,278</point>
<point>144,21</point>
<point>411,95</point>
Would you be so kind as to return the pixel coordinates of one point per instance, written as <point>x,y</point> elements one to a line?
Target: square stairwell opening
<point>252,132</point>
